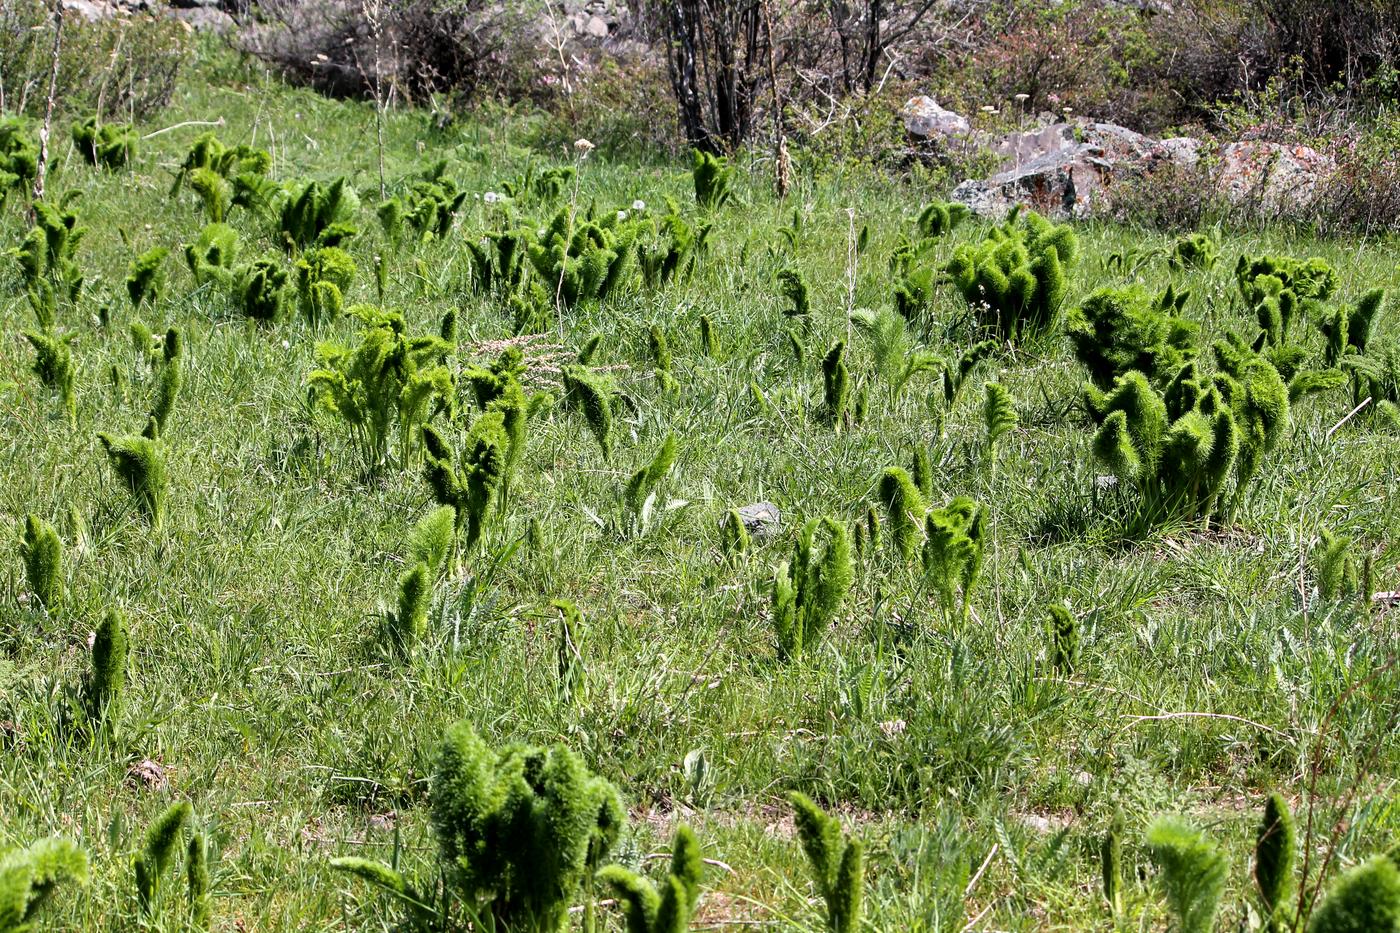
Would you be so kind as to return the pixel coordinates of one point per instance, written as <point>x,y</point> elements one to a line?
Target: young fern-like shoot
<point>1275,852</point>
<point>145,278</point>
<point>836,385</point>
<point>30,876</point>
<point>904,508</point>
<point>408,619</point>
<point>41,550</point>
<point>1111,867</point>
<point>999,416</point>
<point>53,364</point>
<point>1363,899</point>
<point>709,338</point>
<point>1064,640</point>
<point>106,681</point>
<point>589,394</point>
<point>734,538</point>
<point>1193,872</point>
<point>669,910</point>
<point>158,852</point>
<point>570,651</point>
<point>139,462</point>
<point>169,382</point>
<point>639,494</point>
<point>1336,567</point>
<point>808,592</point>
<point>837,863</point>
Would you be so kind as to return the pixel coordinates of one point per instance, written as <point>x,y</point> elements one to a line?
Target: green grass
<point>1207,676</point>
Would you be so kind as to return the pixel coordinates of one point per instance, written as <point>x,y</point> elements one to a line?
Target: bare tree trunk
<point>43,168</point>
<point>782,163</point>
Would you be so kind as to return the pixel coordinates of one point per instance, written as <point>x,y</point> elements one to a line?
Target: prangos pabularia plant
<point>29,876</point>
<point>139,462</point>
<point>837,863</point>
<point>670,909</point>
<point>106,680</point>
<point>53,364</point>
<point>808,592</point>
<point>519,830</point>
<point>953,554</point>
<point>42,553</point>
<point>589,393</point>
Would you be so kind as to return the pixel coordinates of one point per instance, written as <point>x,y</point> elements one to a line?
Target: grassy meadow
<point>981,775</point>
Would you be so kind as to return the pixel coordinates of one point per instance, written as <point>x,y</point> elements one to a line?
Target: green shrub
<point>1064,640</point>
<point>667,911</point>
<point>106,680</point>
<point>433,539</point>
<point>953,555</point>
<point>569,662</point>
<point>313,213</point>
<point>584,262</point>
<point>260,290</point>
<point>29,877</point>
<point>1348,330</point>
<point>145,277</point>
<point>19,155</point>
<point>225,177</point>
<point>940,217</point>
<point>1275,851</point>
<point>809,591</point>
<point>1194,251</point>
<point>48,255</point>
<point>407,621</point>
<point>713,177</point>
<point>670,248</point>
<point>471,485</point>
<point>324,275</point>
<point>139,462</point>
<point>1193,872</point>
<point>639,496</point>
<point>1117,330</point>
<point>1365,899</point>
<point>158,850</point>
<point>429,207</point>
<point>905,506</point>
<point>110,145</point>
<point>387,380</point>
<point>837,863</point>
<point>793,286</point>
<point>998,417</point>
<point>1336,568</point>
<point>42,553</point>
<point>211,258</point>
<point>169,381</point>
<point>1280,288</point>
<point>519,831</point>
<point>53,364</point>
<point>1016,279</point>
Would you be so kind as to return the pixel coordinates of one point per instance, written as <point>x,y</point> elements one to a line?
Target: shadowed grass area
<point>1208,670</point>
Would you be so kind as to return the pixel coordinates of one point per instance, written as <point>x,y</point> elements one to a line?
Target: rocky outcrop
<point>1072,169</point>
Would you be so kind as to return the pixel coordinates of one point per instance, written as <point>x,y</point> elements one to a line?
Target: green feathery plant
<point>661,358</point>
<point>713,177</point>
<point>1111,867</point>
<point>809,591</point>
<point>29,877</point>
<point>1275,851</point>
<point>670,247</point>
<point>197,883</point>
<point>734,539</point>
<point>905,507</point>
<point>159,850</point>
<point>1016,279</point>
<point>940,217</point>
<point>837,863</point>
<point>519,832</point>
<point>895,360</point>
<point>1365,899</point>
<point>41,550</point>
<point>955,377</point>
<point>211,258</point>
<point>260,289</point>
<point>582,261</point>
<point>433,539</point>
<point>589,393</point>
<point>105,683</point>
<point>19,154</point>
<point>110,145</point>
<point>836,384</point>
<point>670,909</point>
<point>429,207</point>
<point>953,555</point>
<point>709,338</point>
<point>793,286</point>
<point>1348,332</point>
<point>1195,251</point>
<point>570,652</point>
<point>1000,418</point>
<point>1064,640</point>
<point>1280,288</point>
<point>1336,567</point>
<point>53,364</point>
<point>388,380</point>
<point>170,380</point>
<point>139,462</point>
<point>324,275</point>
<point>639,495</point>
<point>1117,330</point>
<point>1193,872</point>
<point>224,177</point>
<point>314,213</point>
<point>145,277</point>
<point>48,257</point>
<point>498,263</point>
<point>406,622</point>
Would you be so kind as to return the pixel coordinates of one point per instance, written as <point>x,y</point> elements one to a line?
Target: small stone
<point>761,520</point>
<point>597,27</point>
<point>925,119</point>
<point>148,775</point>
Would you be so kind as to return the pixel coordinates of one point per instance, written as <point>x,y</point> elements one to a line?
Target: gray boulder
<point>1274,177</point>
<point>924,119</point>
<point>762,520</point>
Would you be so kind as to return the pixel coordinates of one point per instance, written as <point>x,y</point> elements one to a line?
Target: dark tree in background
<point>716,56</point>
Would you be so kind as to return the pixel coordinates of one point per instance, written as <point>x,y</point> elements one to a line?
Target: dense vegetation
<point>395,539</point>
